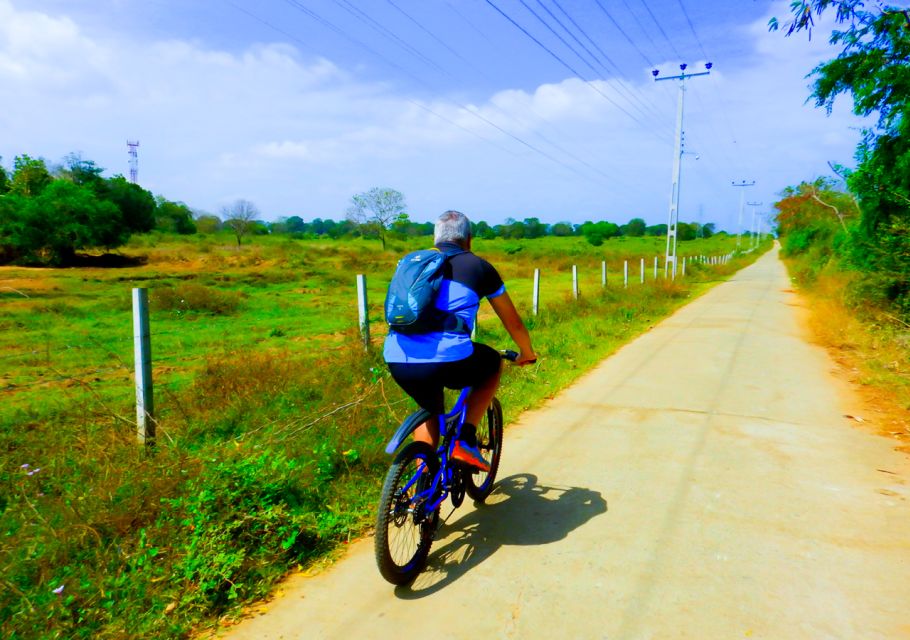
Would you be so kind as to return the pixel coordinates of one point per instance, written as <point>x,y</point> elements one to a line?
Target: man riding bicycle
<point>424,364</point>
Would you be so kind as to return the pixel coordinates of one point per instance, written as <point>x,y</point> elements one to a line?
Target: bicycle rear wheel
<point>404,529</point>
<point>489,441</point>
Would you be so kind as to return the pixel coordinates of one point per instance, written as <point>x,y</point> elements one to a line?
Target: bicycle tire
<point>400,525</point>
<point>489,441</point>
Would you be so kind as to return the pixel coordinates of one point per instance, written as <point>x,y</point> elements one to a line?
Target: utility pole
<point>678,151</point>
<point>742,203</point>
<point>752,242</point>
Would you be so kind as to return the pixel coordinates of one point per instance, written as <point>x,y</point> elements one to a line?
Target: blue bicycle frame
<point>444,451</point>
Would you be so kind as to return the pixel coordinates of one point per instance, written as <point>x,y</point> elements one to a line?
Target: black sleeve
<point>489,282</point>
<point>474,272</point>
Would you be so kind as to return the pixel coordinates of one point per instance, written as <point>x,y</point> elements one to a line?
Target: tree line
<point>48,214</point>
<point>860,220</point>
<point>594,232</point>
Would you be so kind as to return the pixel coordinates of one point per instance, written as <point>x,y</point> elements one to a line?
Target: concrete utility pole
<point>142,349</point>
<point>742,203</point>
<point>752,242</point>
<point>678,151</point>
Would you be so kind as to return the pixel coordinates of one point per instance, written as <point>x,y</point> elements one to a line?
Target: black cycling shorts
<point>425,381</point>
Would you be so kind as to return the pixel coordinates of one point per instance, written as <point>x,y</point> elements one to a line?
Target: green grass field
<point>272,416</point>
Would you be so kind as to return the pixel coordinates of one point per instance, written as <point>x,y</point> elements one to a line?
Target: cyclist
<point>424,364</point>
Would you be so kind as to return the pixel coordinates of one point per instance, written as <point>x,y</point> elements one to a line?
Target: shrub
<point>195,297</point>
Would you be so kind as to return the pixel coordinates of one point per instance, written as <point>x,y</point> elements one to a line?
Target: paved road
<point>701,483</point>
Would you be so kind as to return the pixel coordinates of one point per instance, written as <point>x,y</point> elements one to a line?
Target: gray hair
<point>452,226</point>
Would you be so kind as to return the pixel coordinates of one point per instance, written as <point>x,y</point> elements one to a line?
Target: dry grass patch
<point>873,349</point>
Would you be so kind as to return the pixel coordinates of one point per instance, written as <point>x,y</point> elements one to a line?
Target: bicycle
<point>421,478</point>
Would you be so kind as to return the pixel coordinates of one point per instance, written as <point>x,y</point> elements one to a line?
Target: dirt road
<point>701,483</point>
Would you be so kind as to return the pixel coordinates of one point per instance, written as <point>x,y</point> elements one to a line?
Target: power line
<point>558,37</point>
<point>623,31</point>
<point>643,30</point>
<point>632,93</point>
<point>497,127</point>
<point>568,31</point>
<point>370,22</point>
<point>659,28</point>
<point>723,106</point>
<point>457,54</point>
<point>572,49</point>
<point>329,25</point>
<point>692,28</point>
<point>435,37</point>
<point>472,25</point>
<point>569,67</point>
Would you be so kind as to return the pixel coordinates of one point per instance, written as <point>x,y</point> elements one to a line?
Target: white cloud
<point>300,136</point>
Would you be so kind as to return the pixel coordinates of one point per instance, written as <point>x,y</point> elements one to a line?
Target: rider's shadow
<point>520,511</point>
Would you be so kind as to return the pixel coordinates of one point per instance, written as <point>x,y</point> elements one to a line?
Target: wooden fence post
<point>142,348</point>
<point>362,309</point>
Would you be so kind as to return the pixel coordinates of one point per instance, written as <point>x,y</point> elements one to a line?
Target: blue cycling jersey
<point>466,281</point>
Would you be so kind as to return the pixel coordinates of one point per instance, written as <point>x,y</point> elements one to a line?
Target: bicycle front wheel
<point>404,527</point>
<point>489,441</point>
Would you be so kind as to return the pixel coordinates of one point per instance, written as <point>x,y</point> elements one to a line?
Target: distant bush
<point>195,297</point>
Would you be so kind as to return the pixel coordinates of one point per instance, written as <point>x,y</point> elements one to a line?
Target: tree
<point>137,204</point>
<point>708,230</point>
<point>174,217</point>
<point>634,228</point>
<point>404,226</point>
<point>30,176</point>
<point>686,231</point>
<point>207,222</point>
<point>873,67</point>
<point>239,218</point>
<point>597,232</point>
<point>295,224</point>
<point>4,178</point>
<point>376,210</point>
<point>481,229</point>
<point>534,228</point>
<point>80,171</point>
<point>562,229</point>
<point>63,218</point>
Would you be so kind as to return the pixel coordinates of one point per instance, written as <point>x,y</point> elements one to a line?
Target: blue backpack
<point>410,304</point>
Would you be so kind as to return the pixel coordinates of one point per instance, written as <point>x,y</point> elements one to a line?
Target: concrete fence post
<point>575,281</point>
<point>625,274</point>
<point>142,349</point>
<point>656,263</point>
<point>641,269</point>
<point>684,266</point>
<point>362,309</point>
<point>536,294</point>
<point>603,274</point>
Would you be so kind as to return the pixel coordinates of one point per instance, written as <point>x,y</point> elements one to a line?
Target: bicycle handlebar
<point>512,356</point>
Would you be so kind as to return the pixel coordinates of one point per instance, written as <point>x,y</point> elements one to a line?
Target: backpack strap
<point>454,323</point>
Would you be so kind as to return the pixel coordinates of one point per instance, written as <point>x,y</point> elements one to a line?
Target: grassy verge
<point>870,343</point>
<point>270,448</point>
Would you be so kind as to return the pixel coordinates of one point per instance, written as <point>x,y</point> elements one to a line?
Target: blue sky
<point>297,105</point>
